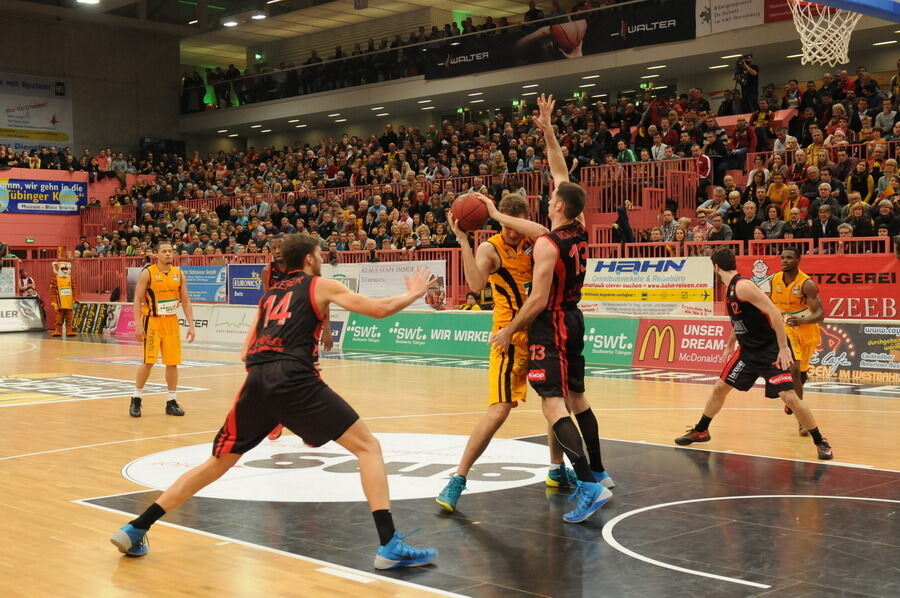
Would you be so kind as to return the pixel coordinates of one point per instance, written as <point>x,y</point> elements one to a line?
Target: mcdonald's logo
<point>660,336</point>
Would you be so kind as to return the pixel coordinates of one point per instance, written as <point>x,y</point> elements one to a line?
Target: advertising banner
<point>650,287</point>
<point>347,274</point>
<point>35,111</point>
<point>721,16</point>
<point>245,284</point>
<point>26,196</point>
<point>389,278</point>
<point>685,344</point>
<point>433,333</point>
<point>863,287</point>
<point>206,283</point>
<point>858,353</point>
<point>609,340</point>
<point>7,282</point>
<point>568,36</point>
<point>20,314</point>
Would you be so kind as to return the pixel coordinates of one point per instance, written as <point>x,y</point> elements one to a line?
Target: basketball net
<point>824,32</point>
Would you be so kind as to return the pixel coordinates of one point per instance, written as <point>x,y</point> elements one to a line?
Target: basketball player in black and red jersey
<point>284,385</point>
<point>274,272</point>
<point>763,351</point>
<point>556,334</point>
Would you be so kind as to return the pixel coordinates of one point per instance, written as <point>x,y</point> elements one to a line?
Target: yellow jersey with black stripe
<point>163,291</point>
<point>511,283</point>
<point>790,300</point>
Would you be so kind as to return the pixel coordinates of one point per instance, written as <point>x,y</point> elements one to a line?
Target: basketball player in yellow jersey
<point>161,288</point>
<point>797,297</point>
<point>503,261</point>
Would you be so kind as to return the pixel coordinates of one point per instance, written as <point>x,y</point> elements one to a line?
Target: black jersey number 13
<point>277,312</point>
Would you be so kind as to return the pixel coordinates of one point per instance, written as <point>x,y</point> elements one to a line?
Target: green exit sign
<point>645,86</point>
<point>29,240</point>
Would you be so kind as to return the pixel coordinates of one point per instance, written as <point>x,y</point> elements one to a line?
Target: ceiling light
<point>628,91</point>
<point>255,126</point>
<point>530,85</point>
<point>193,22</point>
<point>655,67</point>
<point>294,120</point>
<point>222,131</point>
<point>588,85</point>
<point>662,87</point>
<point>887,43</point>
<point>300,126</point>
<point>731,56</point>
<point>591,77</point>
<point>377,108</point>
<point>88,1</point>
<point>530,93</point>
<point>475,101</point>
<point>266,131</point>
<point>233,135</point>
<point>383,114</point>
<point>273,1</point>
<point>333,115</point>
<point>794,56</point>
<point>477,93</point>
<point>340,120</point>
<point>433,107</point>
<point>423,102</point>
<point>719,66</point>
<point>454,43</point>
<point>258,16</point>
<point>230,23</point>
<point>600,95</point>
<point>649,76</point>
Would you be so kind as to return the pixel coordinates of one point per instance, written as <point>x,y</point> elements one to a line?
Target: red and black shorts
<point>741,373</point>
<point>279,392</point>
<point>556,360</point>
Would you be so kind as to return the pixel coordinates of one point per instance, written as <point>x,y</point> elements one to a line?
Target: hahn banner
<point>864,286</point>
<point>26,196</point>
<point>564,37</point>
<point>649,287</point>
<point>35,111</point>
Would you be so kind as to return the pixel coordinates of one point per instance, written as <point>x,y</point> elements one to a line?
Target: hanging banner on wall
<point>863,288</point>
<point>245,283</point>
<point>35,111</point>
<point>654,286</point>
<point>568,36</point>
<point>26,196</point>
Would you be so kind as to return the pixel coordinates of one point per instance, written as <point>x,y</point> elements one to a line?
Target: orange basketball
<point>568,35</point>
<point>470,212</point>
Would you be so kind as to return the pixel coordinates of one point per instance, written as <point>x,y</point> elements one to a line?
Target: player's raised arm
<point>747,291</point>
<point>558,169</point>
<point>478,266</point>
<point>524,226</point>
<point>545,255</point>
<point>330,291</point>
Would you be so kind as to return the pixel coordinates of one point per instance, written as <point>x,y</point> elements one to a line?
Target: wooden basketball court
<point>65,436</point>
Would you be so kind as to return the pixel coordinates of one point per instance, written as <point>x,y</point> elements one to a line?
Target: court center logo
<point>286,470</point>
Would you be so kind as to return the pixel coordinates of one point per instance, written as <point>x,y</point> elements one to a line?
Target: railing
<point>853,245</point>
<point>600,234</point>
<point>604,250</point>
<point>776,246</point>
<point>641,250</point>
<point>858,151</point>
<point>701,248</point>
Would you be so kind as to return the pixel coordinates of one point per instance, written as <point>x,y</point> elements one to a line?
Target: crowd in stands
<point>368,62</point>
<point>391,191</point>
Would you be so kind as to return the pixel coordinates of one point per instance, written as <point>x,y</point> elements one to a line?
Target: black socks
<point>570,440</point>
<point>587,421</point>
<point>816,435</point>
<point>385,524</point>
<point>703,424</point>
<point>148,517</point>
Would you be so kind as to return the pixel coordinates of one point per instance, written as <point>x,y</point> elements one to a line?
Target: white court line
<point>84,446</point>
<point>30,348</point>
<point>345,575</point>
<point>611,524</point>
<point>299,557</point>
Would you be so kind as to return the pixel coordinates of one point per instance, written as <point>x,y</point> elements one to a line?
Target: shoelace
<point>406,549</point>
<point>577,492</point>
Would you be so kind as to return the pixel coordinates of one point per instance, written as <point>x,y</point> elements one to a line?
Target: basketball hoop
<point>824,32</point>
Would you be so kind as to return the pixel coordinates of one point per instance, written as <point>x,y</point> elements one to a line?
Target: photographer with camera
<point>746,74</point>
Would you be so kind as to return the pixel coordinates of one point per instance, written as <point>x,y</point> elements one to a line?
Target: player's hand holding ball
<point>470,211</point>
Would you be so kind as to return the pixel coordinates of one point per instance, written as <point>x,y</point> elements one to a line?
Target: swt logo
<point>359,332</point>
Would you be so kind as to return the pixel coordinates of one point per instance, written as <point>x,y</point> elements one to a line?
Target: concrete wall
<point>124,81</point>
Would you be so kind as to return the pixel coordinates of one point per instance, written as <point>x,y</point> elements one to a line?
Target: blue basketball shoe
<point>450,494</point>
<point>131,540</point>
<point>604,480</point>
<point>589,497</point>
<point>562,477</point>
<point>398,553</point>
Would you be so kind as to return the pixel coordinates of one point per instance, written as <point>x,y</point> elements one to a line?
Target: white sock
<point>171,395</point>
<point>555,466</point>
<point>137,392</point>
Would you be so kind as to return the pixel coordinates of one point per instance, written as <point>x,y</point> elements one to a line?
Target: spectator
<point>862,181</point>
<point>743,228</point>
<point>798,225</point>
<point>703,225</point>
<point>859,221</point>
<point>773,225</point>
<point>778,192</point>
<point>720,231</point>
<point>826,224</point>
<point>471,303</point>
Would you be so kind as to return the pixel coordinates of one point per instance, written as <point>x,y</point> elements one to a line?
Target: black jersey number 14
<point>277,312</point>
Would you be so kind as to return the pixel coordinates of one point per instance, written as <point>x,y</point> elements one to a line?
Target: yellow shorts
<point>162,334</point>
<point>802,348</point>
<point>508,371</point>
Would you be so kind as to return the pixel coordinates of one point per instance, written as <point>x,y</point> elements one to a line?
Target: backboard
<point>888,10</point>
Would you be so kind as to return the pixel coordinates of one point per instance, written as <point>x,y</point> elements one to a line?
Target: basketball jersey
<point>289,324</point>
<point>163,291</point>
<point>790,300</point>
<point>273,276</point>
<point>64,290</point>
<point>511,282</point>
<point>752,327</point>
<point>568,274</point>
